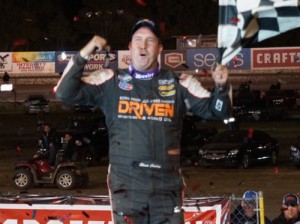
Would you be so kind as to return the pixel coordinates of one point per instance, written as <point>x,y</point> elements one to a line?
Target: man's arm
<point>69,84</point>
<point>208,105</point>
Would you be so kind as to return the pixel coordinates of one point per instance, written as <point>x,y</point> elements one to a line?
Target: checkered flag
<point>243,22</point>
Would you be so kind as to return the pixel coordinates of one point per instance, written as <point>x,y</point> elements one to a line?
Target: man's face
<point>47,128</point>
<point>144,49</point>
<point>249,209</point>
<point>67,137</point>
<point>290,212</point>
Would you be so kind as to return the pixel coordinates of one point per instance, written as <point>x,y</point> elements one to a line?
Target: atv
<point>37,171</point>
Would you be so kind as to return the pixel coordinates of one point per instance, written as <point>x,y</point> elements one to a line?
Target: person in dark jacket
<point>144,107</point>
<point>49,141</point>
<point>290,210</point>
<point>70,148</point>
<point>247,211</point>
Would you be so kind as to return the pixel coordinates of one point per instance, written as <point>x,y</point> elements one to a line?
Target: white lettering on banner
<point>101,57</point>
<point>93,66</point>
<point>68,57</point>
<point>203,60</point>
<point>36,66</point>
<point>32,221</point>
<point>277,58</point>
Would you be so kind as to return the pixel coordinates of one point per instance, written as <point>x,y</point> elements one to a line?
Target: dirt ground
<point>19,130</point>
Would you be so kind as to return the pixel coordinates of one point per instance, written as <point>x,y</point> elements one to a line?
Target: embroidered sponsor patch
<point>166,88</point>
<point>124,82</point>
<point>125,86</point>
<point>219,105</point>
<point>124,78</point>
<point>167,93</point>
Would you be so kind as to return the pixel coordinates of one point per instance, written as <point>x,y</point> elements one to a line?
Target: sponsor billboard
<point>62,58</point>
<point>124,59</point>
<point>206,58</point>
<point>95,61</point>
<point>275,58</point>
<point>96,209</point>
<point>33,62</point>
<point>5,61</point>
<point>174,60</point>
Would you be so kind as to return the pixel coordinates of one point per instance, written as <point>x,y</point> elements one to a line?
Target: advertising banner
<point>96,210</point>
<point>124,59</point>
<point>97,60</point>
<point>174,60</point>
<point>33,62</point>
<point>206,58</point>
<point>5,61</point>
<point>62,58</point>
<point>275,58</point>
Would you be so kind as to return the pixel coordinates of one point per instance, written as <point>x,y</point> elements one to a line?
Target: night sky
<point>67,24</point>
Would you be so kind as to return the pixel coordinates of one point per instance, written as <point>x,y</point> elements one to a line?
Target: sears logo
<point>173,60</point>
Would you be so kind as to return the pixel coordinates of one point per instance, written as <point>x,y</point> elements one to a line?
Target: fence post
<point>261,208</point>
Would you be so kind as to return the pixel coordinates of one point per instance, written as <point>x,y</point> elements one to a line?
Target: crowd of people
<point>248,211</point>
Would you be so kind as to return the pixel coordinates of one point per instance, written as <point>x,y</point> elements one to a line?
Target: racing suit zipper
<point>151,135</point>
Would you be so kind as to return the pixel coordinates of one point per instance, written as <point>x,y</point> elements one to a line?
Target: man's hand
<point>96,43</point>
<point>220,75</point>
<point>97,77</point>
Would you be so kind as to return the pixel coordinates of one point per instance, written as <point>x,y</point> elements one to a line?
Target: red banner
<point>96,210</point>
<point>275,58</point>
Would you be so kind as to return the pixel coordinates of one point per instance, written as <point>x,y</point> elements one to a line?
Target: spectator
<point>247,211</point>
<point>49,142</point>
<point>70,148</point>
<point>5,77</point>
<point>290,213</point>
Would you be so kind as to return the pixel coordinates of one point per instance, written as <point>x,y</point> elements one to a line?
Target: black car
<point>239,148</point>
<point>91,130</point>
<point>78,108</point>
<point>192,138</point>
<point>36,103</point>
<point>294,152</point>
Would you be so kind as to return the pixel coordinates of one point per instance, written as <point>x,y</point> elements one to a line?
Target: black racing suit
<point>144,119</point>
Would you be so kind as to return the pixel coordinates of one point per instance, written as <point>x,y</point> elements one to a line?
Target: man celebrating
<point>144,106</point>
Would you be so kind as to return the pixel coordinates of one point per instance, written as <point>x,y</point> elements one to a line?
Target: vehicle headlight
<point>201,152</point>
<point>254,112</point>
<point>293,148</point>
<point>233,152</point>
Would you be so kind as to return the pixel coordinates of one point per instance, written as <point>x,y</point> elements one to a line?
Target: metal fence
<point>247,211</point>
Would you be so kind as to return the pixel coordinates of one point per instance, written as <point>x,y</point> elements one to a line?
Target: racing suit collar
<point>143,75</point>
